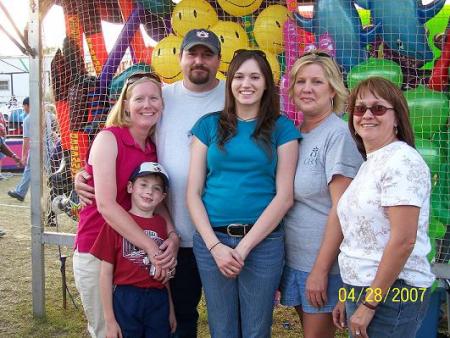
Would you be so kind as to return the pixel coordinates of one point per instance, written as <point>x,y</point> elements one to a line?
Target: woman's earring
<point>332,103</point>
<point>356,133</point>
<point>395,130</point>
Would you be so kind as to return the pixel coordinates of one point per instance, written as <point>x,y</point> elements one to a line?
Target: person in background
<point>134,303</point>
<point>198,94</point>
<point>2,140</point>
<point>328,160</point>
<point>22,187</point>
<point>240,186</point>
<point>115,152</point>
<point>384,216</point>
<point>6,151</point>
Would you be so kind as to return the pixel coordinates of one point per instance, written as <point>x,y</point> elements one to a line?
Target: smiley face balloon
<point>239,7</point>
<point>166,59</point>
<point>191,14</point>
<point>232,37</point>
<point>268,29</point>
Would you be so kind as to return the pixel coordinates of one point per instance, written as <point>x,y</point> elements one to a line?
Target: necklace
<point>247,119</point>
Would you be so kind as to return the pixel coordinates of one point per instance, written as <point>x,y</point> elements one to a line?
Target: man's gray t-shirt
<point>325,151</point>
<point>182,108</point>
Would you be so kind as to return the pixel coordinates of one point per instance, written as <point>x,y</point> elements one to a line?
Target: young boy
<point>135,304</point>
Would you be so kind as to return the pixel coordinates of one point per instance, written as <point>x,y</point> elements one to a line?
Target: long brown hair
<point>385,89</point>
<point>269,109</point>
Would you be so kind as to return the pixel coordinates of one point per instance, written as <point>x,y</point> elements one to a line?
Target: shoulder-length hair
<point>118,115</point>
<point>332,74</point>
<point>269,109</point>
<point>385,89</point>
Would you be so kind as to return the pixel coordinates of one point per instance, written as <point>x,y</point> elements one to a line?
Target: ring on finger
<point>358,333</point>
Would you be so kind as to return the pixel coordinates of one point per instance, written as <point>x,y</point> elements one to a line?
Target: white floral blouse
<point>393,175</point>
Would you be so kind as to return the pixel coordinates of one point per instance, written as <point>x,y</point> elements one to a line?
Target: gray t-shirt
<point>325,151</point>
<point>173,138</point>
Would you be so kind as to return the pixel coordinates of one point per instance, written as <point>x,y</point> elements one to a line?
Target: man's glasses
<point>137,76</point>
<point>377,110</point>
<point>250,51</point>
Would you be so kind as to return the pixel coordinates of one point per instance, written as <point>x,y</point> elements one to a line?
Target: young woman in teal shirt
<point>240,186</point>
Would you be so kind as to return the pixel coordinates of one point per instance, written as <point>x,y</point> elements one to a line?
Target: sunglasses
<point>376,110</point>
<point>317,53</point>
<point>137,76</point>
<point>250,51</point>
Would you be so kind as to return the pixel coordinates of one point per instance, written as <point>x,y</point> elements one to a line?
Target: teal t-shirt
<point>240,180</point>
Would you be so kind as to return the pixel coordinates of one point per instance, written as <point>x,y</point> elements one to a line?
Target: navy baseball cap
<point>149,168</point>
<point>202,37</point>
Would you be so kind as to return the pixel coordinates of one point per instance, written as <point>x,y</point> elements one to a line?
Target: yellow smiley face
<point>268,29</point>
<point>232,37</point>
<point>166,59</point>
<point>239,7</point>
<point>192,14</point>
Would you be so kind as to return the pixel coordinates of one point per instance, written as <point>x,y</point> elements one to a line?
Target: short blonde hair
<point>332,74</point>
<point>118,115</point>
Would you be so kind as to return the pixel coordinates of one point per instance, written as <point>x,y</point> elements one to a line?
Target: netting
<point>406,42</point>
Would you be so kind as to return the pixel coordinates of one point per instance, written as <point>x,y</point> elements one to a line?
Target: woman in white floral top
<point>384,218</point>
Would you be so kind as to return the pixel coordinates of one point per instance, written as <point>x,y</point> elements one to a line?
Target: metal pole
<point>37,246</point>
<point>63,280</point>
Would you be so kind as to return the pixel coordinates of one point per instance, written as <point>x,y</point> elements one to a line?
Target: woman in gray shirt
<point>328,160</point>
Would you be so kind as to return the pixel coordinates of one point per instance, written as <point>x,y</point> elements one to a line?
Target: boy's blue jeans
<point>142,313</point>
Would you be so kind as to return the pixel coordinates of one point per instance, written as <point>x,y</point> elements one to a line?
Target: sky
<point>53,27</point>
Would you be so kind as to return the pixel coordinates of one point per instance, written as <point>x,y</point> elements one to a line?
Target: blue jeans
<point>393,317</point>
<point>186,290</point>
<point>24,184</point>
<point>142,312</point>
<point>243,306</point>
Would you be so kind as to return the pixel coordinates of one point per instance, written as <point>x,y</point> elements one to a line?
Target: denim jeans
<point>142,312</point>
<point>242,307</point>
<point>186,290</point>
<point>24,184</point>
<point>393,317</point>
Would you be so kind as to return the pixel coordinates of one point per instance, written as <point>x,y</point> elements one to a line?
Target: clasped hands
<point>229,261</point>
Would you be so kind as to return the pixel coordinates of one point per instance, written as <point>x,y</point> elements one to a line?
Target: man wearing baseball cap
<point>187,100</point>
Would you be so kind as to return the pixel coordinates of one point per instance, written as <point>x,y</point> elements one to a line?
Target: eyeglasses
<point>250,51</point>
<point>316,52</point>
<point>137,76</point>
<point>377,110</point>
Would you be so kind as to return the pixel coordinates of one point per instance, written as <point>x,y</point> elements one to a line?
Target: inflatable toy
<point>436,229</point>
<point>429,110</point>
<point>232,37</point>
<point>340,20</point>
<point>402,27</point>
<point>431,153</point>
<point>165,59</point>
<point>239,7</point>
<point>191,14</point>
<point>375,67</point>
<point>268,29</point>
<point>157,7</point>
<point>118,82</point>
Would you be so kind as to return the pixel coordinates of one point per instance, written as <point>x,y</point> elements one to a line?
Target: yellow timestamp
<point>395,295</point>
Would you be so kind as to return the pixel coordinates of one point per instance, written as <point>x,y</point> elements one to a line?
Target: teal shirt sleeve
<point>285,131</point>
<point>204,129</point>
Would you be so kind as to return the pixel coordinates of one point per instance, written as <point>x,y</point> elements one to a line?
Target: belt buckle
<point>235,226</point>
